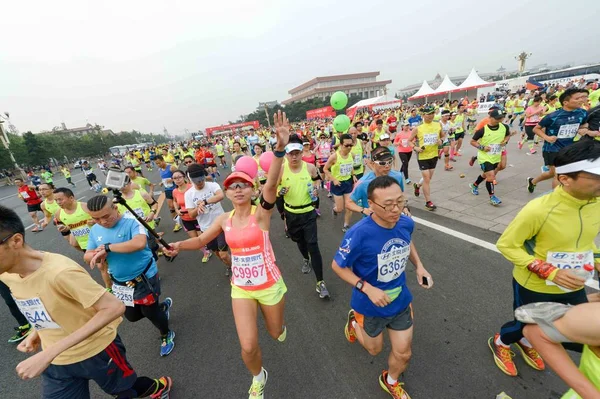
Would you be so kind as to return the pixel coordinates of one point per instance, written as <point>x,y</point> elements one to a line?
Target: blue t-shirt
<point>359,194</point>
<point>415,120</point>
<point>167,174</point>
<point>564,125</point>
<point>123,267</point>
<point>379,256</point>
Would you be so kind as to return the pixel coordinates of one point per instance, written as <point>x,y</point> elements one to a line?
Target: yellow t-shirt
<point>57,300</point>
<point>428,135</point>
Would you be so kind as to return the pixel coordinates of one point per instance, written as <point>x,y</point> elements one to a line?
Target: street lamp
<point>6,143</point>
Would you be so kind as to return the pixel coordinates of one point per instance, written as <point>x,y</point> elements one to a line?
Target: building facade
<point>362,84</point>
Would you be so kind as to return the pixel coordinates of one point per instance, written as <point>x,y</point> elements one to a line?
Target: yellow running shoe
<point>503,357</point>
<point>531,357</point>
<point>257,389</point>
<point>396,391</point>
<point>176,228</point>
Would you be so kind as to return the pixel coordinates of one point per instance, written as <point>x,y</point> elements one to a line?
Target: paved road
<point>470,300</point>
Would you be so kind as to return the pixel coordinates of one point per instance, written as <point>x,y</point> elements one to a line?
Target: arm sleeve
<point>478,134</point>
<point>512,243</point>
<point>349,249</point>
<point>77,283</point>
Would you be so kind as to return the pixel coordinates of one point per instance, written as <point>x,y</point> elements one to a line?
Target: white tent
<point>445,87</point>
<point>373,102</point>
<point>473,81</point>
<point>424,91</point>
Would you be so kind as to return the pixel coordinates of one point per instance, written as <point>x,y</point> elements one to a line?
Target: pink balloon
<point>265,160</point>
<point>247,165</point>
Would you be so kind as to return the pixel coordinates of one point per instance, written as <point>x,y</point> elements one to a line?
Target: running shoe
<point>168,303</point>
<point>206,257</point>
<point>453,159</point>
<point>157,221</point>
<point>530,185</point>
<point>306,266</point>
<point>495,200</point>
<point>502,357</point>
<point>417,189</point>
<point>283,335</point>
<point>472,161</point>
<point>458,153</point>
<point>396,391</point>
<point>520,145</point>
<point>318,212</point>
<point>36,229</point>
<point>545,169</point>
<point>408,181</point>
<point>531,357</point>
<point>164,392</point>
<point>322,289</point>
<point>430,206</point>
<point>474,189</point>
<point>329,195</point>
<point>549,311</point>
<point>176,228</point>
<point>167,344</point>
<point>448,167</point>
<point>345,228</point>
<point>21,333</point>
<point>334,212</point>
<point>533,151</point>
<point>349,330</point>
<point>257,389</point>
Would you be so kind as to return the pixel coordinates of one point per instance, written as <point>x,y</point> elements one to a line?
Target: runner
<point>166,173</point>
<point>78,331</point>
<point>67,174</point>
<point>298,178</point>
<point>533,115</point>
<point>247,233</point>
<point>122,241</point>
<point>47,176</point>
<point>543,244</point>
<point>90,176</point>
<point>29,195</point>
<point>323,150</point>
<point>372,258</point>
<point>428,137</point>
<point>203,202</point>
<point>558,130</point>
<point>357,153</point>
<point>144,184</point>
<point>340,172</point>
<point>49,205</point>
<point>404,149</point>
<point>458,125</point>
<point>447,133</point>
<point>489,142</point>
<point>221,153</point>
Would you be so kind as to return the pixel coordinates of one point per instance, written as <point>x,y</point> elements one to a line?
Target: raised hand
<point>282,129</point>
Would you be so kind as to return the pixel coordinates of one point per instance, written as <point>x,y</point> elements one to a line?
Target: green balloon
<point>339,100</point>
<point>341,123</point>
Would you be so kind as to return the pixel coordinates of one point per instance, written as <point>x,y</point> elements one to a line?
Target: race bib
<point>568,131</point>
<point>166,183</point>
<point>37,315</point>
<point>84,231</point>
<point>391,265</point>
<point>570,261</point>
<point>248,270</point>
<point>346,169</point>
<point>357,160</point>
<point>25,195</point>
<point>404,142</point>
<point>124,294</point>
<point>139,212</point>
<point>261,174</point>
<point>495,149</point>
<point>430,139</point>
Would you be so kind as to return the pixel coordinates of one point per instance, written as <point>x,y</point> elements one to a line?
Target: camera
<point>116,179</point>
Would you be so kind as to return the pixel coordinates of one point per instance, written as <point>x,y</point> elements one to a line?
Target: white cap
<point>293,147</point>
<point>384,137</point>
<point>588,166</point>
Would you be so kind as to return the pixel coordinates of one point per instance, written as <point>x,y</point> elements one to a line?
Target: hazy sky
<point>182,64</point>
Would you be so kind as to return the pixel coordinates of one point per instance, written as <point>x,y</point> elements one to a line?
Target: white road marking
<point>473,240</point>
<point>14,195</point>
<point>80,198</point>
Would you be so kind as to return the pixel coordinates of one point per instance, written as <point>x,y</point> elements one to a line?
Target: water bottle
<point>311,192</point>
<point>585,272</point>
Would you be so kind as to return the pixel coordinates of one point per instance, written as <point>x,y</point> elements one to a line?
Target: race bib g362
<point>391,264</point>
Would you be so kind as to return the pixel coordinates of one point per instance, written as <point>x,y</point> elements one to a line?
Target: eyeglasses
<point>348,145</point>
<point>384,163</point>
<point>239,184</point>
<point>388,208</point>
<point>6,238</point>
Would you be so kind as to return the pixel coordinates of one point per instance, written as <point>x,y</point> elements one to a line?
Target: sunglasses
<point>384,163</point>
<point>239,184</point>
<point>348,145</point>
<point>189,162</point>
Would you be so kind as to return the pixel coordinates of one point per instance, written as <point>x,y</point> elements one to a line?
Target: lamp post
<point>6,143</point>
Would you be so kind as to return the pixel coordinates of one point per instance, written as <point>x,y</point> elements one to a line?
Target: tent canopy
<point>372,101</point>
<point>473,81</point>
<point>446,86</point>
<point>424,91</point>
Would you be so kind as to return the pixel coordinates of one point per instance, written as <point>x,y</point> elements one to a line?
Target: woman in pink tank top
<point>256,279</point>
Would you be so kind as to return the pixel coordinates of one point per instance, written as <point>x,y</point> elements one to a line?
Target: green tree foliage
<point>37,149</point>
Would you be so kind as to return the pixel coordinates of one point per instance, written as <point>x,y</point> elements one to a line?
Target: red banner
<point>211,130</point>
<point>325,112</point>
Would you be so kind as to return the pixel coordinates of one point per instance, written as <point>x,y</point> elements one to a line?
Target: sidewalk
<point>453,197</point>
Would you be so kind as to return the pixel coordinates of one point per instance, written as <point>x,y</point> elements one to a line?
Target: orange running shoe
<point>531,357</point>
<point>349,329</point>
<point>502,357</point>
<point>396,391</point>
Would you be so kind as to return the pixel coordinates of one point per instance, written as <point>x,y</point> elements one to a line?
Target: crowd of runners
<point>364,170</point>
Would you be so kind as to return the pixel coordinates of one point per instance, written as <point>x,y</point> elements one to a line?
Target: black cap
<point>497,114</point>
<point>381,154</point>
<point>196,171</point>
<point>428,109</point>
<point>445,112</point>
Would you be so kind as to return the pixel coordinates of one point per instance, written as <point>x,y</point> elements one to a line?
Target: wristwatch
<point>205,202</point>
<point>360,284</point>
<point>107,247</point>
